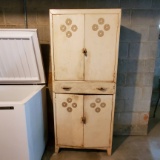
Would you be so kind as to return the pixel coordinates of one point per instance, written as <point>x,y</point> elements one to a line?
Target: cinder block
<point>14,16</point>
<point>41,4</point>
<point>130,129</point>
<point>157,67</point>
<point>134,34</point>
<point>146,93</point>
<point>32,16</point>
<point>66,4</point>
<point>141,17</point>
<point>128,118</point>
<point>155,17</point>
<point>126,17</point>
<point>155,4</point>
<point>158,49</point>
<point>156,82</point>
<point>126,3</point>
<point>134,105</point>
<point>136,65</point>
<point>96,3</point>
<point>136,4</point>
<point>153,33</point>
<point>145,50</point>
<point>148,79</point>
<point>83,4</point>
<point>129,93</point>
<point>43,17</point>
<point>119,105</point>
<point>135,79</point>
<point>118,92</point>
<point>154,99</point>
<point>11,4</point>
<point>116,117</point>
<point>122,66</point>
<point>123,50</point>
<point>1,18</point>
<point>143,118</point>
<point>121,79</point>
<point>112,4</point>
<point>149,65</point>
<point>43,34</point>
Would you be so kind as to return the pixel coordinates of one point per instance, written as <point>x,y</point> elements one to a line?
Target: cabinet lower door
<point>69,111</point>
<point>97,110</point>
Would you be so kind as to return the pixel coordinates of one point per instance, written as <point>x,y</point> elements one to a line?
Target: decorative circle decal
<point>63,28</point>
<point>100,33</point>
<point>74,28</point>
<point>103,105</point>
<point>92,105</point>
<point>69,100</point>
<point>97,109</point>
<point>106,27</point>
<point>74,105</point>
<point>69,109</point>
<point>68,21</point>
<point>101,21</point>
<point>68,34</point>
<point>98,100</point>
<point>95,27</point>
<point>64,104</point>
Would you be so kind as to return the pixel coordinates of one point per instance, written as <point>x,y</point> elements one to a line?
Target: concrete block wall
<point>137,52</point>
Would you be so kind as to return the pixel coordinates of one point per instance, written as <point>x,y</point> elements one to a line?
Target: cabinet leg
<point>109,151</point>
<point>56,149</point>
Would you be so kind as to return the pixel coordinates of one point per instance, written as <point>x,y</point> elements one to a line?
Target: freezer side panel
<point>35,110</point>
<point>13,138</point>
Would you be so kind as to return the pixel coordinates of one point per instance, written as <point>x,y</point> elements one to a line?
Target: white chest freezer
<point>23,125</point>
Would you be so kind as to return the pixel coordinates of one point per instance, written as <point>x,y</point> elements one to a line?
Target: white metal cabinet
<point>84,50</point>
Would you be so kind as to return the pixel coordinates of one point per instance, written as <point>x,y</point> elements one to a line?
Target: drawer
<point>84,87</point>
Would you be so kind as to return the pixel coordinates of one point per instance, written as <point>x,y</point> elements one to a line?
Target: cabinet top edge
<point>84,11</point>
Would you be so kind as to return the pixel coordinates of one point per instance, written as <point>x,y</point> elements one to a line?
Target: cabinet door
<point>68,41</point>
<point>69,110</point>
<point>101,38</point>
<point>97,110</point>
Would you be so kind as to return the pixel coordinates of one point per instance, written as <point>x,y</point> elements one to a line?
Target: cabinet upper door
<point>68,41</point>
<point>101,42</point>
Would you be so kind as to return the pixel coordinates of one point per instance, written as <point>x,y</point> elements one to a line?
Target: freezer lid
<point>20,57</point>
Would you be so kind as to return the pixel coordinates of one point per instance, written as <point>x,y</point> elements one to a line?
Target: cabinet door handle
<point>67,88</point>
<point>102,89</point>
<point>85,51</point>
<point>83,120</point>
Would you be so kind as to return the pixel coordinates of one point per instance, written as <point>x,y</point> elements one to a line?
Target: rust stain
<point>146,117</point>
<point>50,78</point>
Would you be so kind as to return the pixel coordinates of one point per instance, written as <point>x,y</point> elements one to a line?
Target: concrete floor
<point>124,148</point>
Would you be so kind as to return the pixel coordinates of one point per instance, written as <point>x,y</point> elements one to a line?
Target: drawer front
<point>84,87</point>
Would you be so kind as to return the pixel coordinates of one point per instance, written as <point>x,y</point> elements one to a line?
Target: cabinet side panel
<point>35,112</point>
<point>69,111</point>
<point>68,32</point>
<point>101,32</point>
<point>97,110</point>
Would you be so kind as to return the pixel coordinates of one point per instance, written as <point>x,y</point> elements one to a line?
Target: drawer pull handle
<point>7,108</point>
<point>66,88</point>
<point>84,120</point>
<point>102,89</point>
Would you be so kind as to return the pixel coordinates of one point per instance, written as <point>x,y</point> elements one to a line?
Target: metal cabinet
<point>84,52</point>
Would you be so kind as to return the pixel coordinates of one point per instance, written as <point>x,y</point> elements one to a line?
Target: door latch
<point>84,120</point>
<point>85,51</point>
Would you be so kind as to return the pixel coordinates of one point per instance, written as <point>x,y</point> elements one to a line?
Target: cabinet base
<point>109,150</point>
